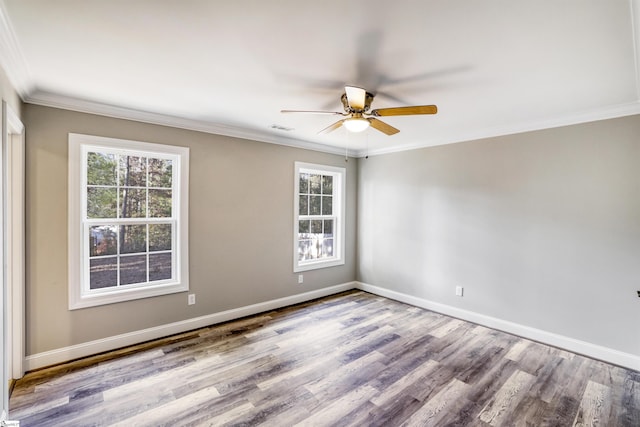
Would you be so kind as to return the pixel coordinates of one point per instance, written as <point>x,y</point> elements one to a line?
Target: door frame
<point>13,202</point>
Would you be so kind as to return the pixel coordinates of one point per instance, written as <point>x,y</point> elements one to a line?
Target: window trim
<point>79,297</point>
<point>339,238</point>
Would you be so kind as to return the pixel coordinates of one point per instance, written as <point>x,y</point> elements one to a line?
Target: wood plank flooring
<point>352,359</point>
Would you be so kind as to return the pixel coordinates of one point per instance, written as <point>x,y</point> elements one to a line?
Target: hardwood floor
<point>353,359</point>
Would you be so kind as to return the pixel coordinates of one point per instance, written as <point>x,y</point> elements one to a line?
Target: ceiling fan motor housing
<point>368,98</point>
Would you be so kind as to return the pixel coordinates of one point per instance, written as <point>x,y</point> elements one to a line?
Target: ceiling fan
<point>356,102</point>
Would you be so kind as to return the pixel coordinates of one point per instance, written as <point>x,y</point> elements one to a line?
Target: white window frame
<point>339,201</point>
<point>80,296</point>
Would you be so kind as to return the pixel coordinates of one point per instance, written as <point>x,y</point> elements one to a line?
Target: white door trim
<point>4,372</point>
<point>13,141</point>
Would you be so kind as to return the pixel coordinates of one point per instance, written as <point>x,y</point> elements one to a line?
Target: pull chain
<point>367,145</point>
<point>346,147</point>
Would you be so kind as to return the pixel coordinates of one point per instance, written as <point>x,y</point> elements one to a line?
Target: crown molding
<point>611,112</point>
<point>48,99</point>
<point>11,59</point>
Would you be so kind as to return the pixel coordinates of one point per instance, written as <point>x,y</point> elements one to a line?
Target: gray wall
<point>241,213</point>
<point>542,229</point>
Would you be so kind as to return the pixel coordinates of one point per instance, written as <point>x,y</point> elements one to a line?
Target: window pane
<point>314,184</point>
<point>160,171</point>
<point>159,266</point>
<point>303,206</point>
<point>133,203</point>
<point>328,228</point>
<point>160,203</point>
<point>133,269</point>
<point>303,226</point>
<point>317,246</point>
<point>327,247</point>
<point>327,205</point>
<point>313,249</point>
<point>133,171</point>
<point>159,237</point>
<point>103,272</point>
<point>327,184</point>
<point>304,183</point>
<point>302,249</point>
<point>101,202</point>
<point>133,239</point>
<point>101,169</point>
<point>103,240</point>
<point>314,205</point>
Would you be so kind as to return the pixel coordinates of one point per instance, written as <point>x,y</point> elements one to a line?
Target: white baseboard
<point>594,351</point>
<point>61,355</point>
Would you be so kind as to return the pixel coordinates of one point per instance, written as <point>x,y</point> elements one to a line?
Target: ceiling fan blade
<point>313,112</point>
<point>332,127</point>
<point>355,97</point>
<point>405,111</point>
<point>382,126</point>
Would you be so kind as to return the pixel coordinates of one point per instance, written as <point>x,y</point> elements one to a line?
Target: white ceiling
<point>493,67</point>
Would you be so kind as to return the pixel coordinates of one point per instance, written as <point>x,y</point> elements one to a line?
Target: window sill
<point>102,298</point>
<point>317,264</point>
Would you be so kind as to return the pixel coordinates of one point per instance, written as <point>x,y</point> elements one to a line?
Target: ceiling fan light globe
<point>356,124</point>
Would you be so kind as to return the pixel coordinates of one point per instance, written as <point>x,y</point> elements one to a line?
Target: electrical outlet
<point>300,278</point>
<point>191,299</point>
<point>459,291</point>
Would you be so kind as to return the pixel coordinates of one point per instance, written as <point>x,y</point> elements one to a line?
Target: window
<point>319,204</point>
<point>128,212</point>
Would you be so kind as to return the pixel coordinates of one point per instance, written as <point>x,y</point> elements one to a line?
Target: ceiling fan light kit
<point>356,102</point>
<point>356,124</point>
